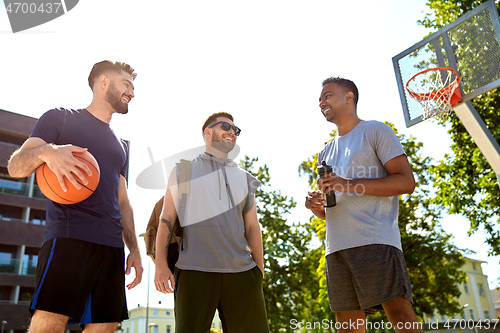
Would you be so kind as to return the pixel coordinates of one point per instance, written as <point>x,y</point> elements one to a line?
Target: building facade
<point>22,221</point>
<point>155,319</point>
<point>476,296</point>
<point>495,294</point>
<point>475,300</point>
<point>158,320</point>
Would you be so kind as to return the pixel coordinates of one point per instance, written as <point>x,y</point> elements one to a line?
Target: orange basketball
<point>49,185</point>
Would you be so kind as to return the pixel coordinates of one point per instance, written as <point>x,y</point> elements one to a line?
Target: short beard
<point>113,97</point>
<point>222,146</point>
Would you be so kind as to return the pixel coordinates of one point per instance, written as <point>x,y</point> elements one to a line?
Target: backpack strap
<point>184,187</point>
<point>184,192</point>
<point>152,228</point>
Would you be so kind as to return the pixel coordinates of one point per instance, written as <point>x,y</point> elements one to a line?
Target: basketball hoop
<point>436,96</point>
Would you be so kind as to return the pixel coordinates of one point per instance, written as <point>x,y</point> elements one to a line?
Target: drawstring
<point>218,175</point>
<point>228,188</point>
<point>218,180</point>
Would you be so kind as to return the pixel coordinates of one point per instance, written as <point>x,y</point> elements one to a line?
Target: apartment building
<point>475,300</point>
<point>22,220</point>
<point>495,294</point>
<point>155,319</point>
<point>476,296</point>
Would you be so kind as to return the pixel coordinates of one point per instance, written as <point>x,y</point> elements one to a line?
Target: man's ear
<point>207,134</point>
<point>103,82</point>
<point>350,97</point>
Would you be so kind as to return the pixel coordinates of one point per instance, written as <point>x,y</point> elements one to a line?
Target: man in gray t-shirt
<point>221,262</point>
<point>365,267</point>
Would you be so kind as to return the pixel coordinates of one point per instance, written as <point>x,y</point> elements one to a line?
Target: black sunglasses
<point>226,127</point>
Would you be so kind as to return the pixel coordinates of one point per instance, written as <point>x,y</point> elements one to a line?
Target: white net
<point>436,91</point>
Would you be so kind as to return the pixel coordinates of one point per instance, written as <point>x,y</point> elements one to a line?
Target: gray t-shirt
<point>362,219</point>
<point>213,227</point>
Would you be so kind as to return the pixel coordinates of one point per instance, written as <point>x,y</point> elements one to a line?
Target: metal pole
<point>480,133</point>
<point>147,305</point>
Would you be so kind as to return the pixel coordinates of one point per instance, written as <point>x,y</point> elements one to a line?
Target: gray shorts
<point>365,277</point>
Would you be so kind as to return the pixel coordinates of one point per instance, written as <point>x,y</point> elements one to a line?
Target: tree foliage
<point>465,182</point>
<point>290,281</point>
<point>432,260</point>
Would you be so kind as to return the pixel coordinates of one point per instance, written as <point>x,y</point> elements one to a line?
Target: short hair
<point>212,119</point>
<point>105,67</point>
<point>348,85</point>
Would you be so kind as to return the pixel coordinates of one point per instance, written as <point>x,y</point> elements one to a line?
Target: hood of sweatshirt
<point>217,162</point>
<point>219,165</point>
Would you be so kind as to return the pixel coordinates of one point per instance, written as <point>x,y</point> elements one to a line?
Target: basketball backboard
<point>470,45</point>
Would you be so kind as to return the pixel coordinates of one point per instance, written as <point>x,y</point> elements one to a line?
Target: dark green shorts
<point>238,297</point>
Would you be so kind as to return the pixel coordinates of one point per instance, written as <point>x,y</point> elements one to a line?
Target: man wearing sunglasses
<point>221,262</point>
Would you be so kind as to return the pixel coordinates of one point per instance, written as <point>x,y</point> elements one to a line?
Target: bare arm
<point>164,278</point>
<point>129,236</point>
<point>36,151</point>
<point>254,236</point>
<point>399,180</point>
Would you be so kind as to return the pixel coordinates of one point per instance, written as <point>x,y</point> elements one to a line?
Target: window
<point>168,312</point>
<point>155,312</point>
<point>25,294</point>
<point>30,260</point>
<point>466,288</point>
<point>471,312</point>
<point>5,292</point>
<point>474,266</point>
<point>38,219</point>
<point>6,215</point>
<point>481,289</point>
<point>168,327</point>
<point>9,264</point>
<point>487,315</point>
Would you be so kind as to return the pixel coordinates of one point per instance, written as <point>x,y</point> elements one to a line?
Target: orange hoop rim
<point>431,95</point>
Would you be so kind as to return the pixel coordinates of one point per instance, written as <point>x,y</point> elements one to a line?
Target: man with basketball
<point>221,260</point>
<point>80,273</point>
<point>365,267</point>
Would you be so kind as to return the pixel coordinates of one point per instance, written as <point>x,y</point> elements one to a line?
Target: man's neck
<point>102,111</point>
<point>216,153</point>
<point>347,125</point>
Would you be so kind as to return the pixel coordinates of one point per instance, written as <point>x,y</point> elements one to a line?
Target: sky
<point>261,61</point>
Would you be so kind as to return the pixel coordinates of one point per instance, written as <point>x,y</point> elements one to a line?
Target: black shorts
<point>365,277</point>
<point>82,280</point>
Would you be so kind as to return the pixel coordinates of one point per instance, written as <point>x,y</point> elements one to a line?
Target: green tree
<point>465,182</point>
<point>432,260</point>
<point>290,281</point>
